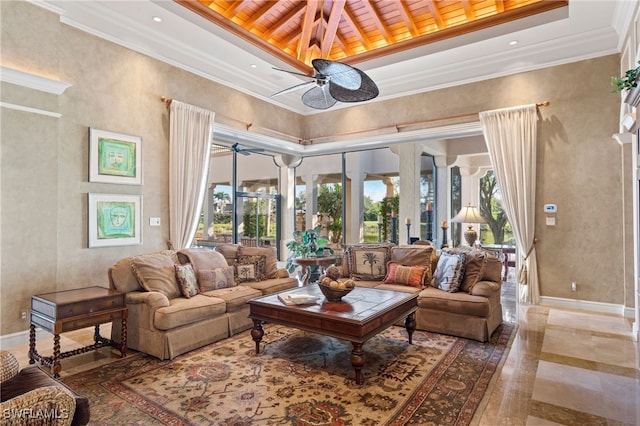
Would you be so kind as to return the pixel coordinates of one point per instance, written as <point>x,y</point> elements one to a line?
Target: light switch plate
<point>551,221</point>
<point>154,221</point>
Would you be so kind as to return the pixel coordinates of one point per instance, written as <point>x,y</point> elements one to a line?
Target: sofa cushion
<point>236,297</point>
<point>122,277</point>
<point>368,262</point>
<point>269,253</point>
<point>273,285</point>
<point>186,277</point>
<point>202,258</point>
<point>450,271</point>
<point>413,256</point>
<point>249,268</point>
<point>182,311</point>
<point>229,251</point>
<point>156,272</point>
<point>213,279</point>
<point>458,303</point>
<point>492,270</point>
<point>413,276</point>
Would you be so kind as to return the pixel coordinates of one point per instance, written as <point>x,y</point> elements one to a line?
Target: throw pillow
<point>156,272</point>
<point>368,263</point>
<point>450,271</point>
<point>407,275</point>
<point>214,279</point>
<point>475,263</point>
<point>269,253</point>
<point>186,277</point>
<point>413,256</point>
<point>249,268</point>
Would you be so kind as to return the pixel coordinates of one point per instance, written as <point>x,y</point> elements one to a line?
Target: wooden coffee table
<point>362,314</point>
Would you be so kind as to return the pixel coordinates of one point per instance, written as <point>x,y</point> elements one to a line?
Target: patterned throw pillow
<point>408,275</point>
<point>187,281</point>
<point>214,279</point>
<point>450,271</point>
<point>250,268</point>
<point>368,263</point>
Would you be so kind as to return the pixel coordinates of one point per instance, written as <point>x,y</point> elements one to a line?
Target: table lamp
<point>469,214</point>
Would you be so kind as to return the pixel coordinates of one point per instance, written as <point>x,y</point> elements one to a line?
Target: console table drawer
<point>87,321</point>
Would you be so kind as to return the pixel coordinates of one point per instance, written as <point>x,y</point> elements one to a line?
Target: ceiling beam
<point>259,14</point>
<point>292,14</point>
<point>375,15</point>
<point>405,14</point>
<point>332,27</point>
<point>437,16</point>
<point>469,11</point>
<point>307,28</point>
<point>350,20</point>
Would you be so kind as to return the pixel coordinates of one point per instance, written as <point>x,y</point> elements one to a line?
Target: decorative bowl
<point>334,294</point>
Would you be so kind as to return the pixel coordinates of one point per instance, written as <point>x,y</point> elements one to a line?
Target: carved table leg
<point>357,361</point>
<point>410,325</point>
<point>55,360</point>
<point>123,338</point>
<point>96,334</point>
<point>32,344</point>
<point>256,333</point>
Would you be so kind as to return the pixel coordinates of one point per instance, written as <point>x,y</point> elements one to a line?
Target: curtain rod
<point>397,127</point>
<point>247,125</point>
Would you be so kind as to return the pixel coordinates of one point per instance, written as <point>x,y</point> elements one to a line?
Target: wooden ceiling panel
<point>296,31</point>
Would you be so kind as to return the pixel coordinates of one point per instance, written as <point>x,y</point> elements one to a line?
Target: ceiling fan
<point>333,82</point>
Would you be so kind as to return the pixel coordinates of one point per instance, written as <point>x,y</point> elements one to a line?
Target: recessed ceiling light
<point>253,66</point>
<point>513,42</point>
<point>157,19</point>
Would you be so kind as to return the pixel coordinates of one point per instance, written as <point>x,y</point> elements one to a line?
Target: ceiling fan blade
<point>341,74</point>
<point>318,98</point>
<point>293,72</point>
<point>367,90</point>
<point>294,88</point>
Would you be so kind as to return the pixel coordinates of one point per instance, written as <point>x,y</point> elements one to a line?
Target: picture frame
<point>114,220</point>
<point>114,157</point>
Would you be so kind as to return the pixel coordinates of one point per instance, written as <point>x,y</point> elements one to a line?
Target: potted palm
<point>628,83</point>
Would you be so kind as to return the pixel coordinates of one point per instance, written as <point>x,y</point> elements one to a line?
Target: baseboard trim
<point>587,305</point>
<point>19,338</point>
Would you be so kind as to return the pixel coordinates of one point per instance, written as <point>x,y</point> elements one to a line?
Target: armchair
<point>31,396</point>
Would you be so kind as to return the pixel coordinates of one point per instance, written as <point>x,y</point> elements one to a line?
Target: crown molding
<point>32,81</point>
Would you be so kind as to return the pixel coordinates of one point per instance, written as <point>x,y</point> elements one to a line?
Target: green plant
<point>307,243</point>
<point>627,81</point>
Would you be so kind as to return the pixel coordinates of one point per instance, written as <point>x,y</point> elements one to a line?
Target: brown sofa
<point>27,392</point>
<point>471,311</point>
<point>165,320</point>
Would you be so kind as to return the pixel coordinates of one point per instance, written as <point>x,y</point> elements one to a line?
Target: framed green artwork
<point>114,157</point>
<point>114,220</point>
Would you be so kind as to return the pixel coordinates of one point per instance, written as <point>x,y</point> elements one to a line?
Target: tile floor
<point>565,367</point>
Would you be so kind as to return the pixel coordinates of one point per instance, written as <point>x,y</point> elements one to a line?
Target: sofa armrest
<point>9,366</point>
<point>485,288</point>
<point>154,299</point>
<point>47,399</point>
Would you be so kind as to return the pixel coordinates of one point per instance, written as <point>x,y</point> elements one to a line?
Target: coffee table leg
<point>32,344</point>
<point>55,360</point>
<point>256,334</point>
<point>357,361</point>
<point>410,325</point>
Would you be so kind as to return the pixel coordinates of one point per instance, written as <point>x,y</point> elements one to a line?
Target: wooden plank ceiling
<point>352,31</point>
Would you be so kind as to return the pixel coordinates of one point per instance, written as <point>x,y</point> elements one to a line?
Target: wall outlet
<point>574,286</point>
<point>23,315</point>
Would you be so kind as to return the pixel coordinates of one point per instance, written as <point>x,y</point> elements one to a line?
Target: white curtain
<point>510,134</point>
<point>190,132</point>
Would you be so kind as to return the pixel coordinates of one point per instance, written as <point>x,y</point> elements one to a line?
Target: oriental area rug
<point>300,378</point>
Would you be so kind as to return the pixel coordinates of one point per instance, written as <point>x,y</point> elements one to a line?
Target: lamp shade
<point>468,214</point>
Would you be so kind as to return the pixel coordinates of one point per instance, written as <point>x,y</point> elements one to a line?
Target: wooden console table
<point>70,310</point>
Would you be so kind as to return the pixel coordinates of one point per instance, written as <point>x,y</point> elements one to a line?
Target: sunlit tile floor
<point>565,367</point>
